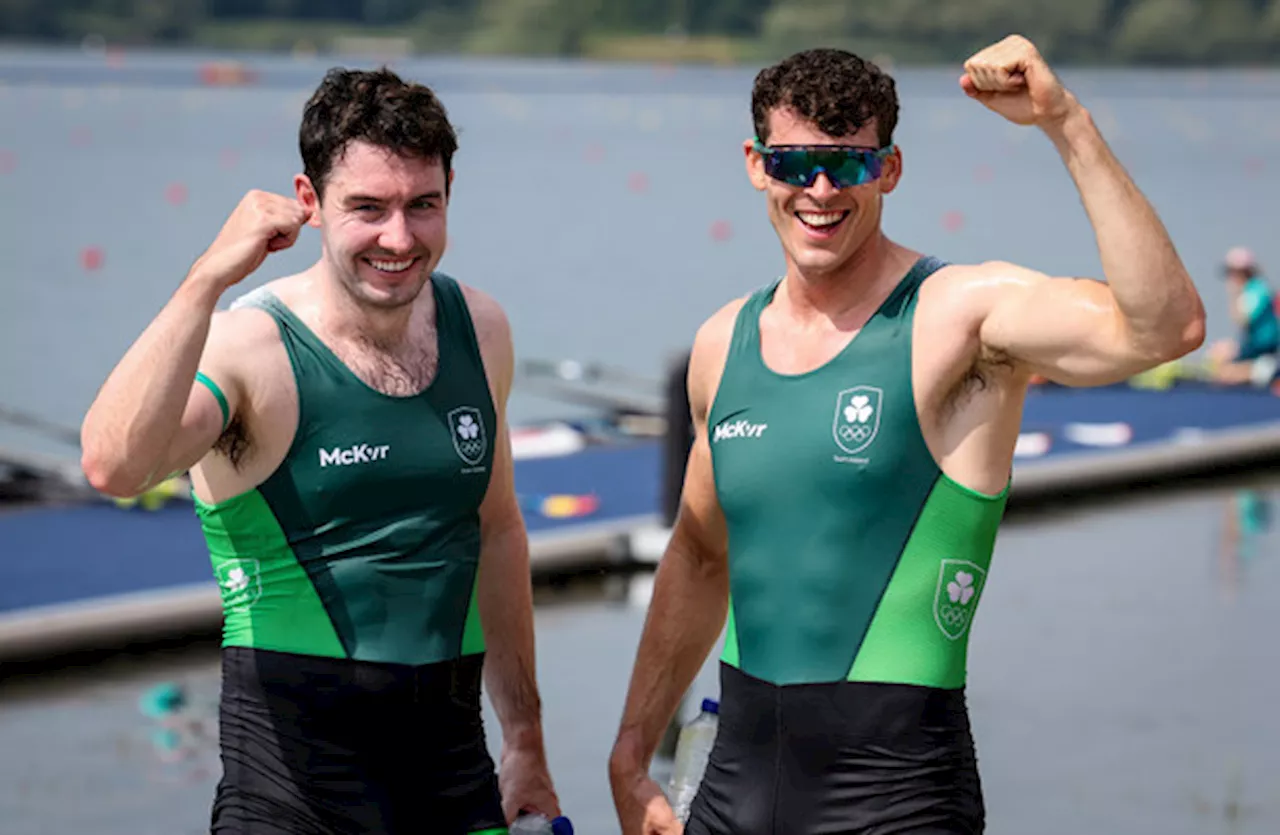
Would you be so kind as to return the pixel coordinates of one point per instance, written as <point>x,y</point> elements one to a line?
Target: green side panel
<point>730,654</point>
<point>920,631</point>
<point>502,830</point>
<point>473,629</point>
<point>268,601</point>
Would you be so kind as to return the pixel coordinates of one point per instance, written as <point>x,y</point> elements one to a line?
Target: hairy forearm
<point>686,614</point>
<point>127,430</point>
<point>506,610</point>
<point>1150,284</point>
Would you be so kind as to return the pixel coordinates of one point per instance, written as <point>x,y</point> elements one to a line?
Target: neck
<point>848,295</point>
<point>387,329</point>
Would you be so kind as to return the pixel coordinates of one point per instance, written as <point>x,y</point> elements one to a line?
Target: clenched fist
<point>1011,78</point>
<point>262,223</point>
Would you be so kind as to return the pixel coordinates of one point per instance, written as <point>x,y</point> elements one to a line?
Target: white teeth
<point>392,266</point>
<point>820,218</point>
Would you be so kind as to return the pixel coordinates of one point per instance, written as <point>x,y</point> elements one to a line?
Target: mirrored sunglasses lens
<point>794,167</point>
<point>856,169</point>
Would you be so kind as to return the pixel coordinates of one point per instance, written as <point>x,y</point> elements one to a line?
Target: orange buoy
<point>953,221</point>
<point>721,231</point>
<point>176,194</point>
<point>91,257</point>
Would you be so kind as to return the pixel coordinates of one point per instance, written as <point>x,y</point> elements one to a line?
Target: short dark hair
<point>836,90</point>
<point>374,106</point>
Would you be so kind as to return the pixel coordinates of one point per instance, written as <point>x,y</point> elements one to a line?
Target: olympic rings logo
<point>854,434</point>
<point>953,616</point>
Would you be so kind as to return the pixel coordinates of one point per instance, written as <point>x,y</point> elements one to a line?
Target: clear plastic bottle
<point>692,750</point>
<point>538,824</point>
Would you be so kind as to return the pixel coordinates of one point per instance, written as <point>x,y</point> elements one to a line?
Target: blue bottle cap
<point>561,826</point>
<point>710,706</point>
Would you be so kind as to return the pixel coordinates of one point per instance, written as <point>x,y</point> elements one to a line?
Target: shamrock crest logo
<point>959,585</point>
<point>467,428</point>
<point>240,583</point>
<point>857,418</point>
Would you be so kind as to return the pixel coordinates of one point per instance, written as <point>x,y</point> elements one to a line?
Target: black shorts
<point>842,758</point>
<point>325,746</point>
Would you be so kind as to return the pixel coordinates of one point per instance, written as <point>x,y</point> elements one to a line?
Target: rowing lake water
<point>1123,674</point>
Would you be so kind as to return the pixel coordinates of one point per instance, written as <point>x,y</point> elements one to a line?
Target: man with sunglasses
<point>855,423</point>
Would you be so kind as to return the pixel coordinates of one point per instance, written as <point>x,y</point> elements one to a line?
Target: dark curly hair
<point>374,106</point>
<point>836,90</point>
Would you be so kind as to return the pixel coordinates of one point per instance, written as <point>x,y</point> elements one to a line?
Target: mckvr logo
<point>358,454</point>
<point>741,428</point>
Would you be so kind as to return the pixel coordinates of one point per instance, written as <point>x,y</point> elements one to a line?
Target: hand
<point>1012,79</point>
<point>261,224</point>
<point>642,807</point>
<point>525,783</point>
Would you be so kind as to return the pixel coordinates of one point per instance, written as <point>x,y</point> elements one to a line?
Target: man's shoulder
<point>487,314</point>
<point>244,324</point>
<point>710,352</point>
<point>717,329</point>
<point>954,289</point>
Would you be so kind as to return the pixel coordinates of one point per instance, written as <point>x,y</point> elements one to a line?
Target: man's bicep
<point>213,403</point>
<point>1067,329</point>
<point>500,508</point>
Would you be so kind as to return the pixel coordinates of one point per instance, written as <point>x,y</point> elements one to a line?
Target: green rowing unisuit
<point>365,542</point>
<point>851,555</point>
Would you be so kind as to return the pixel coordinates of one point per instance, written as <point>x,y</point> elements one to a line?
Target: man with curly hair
<point>855,423</point>
<point>351,468</point>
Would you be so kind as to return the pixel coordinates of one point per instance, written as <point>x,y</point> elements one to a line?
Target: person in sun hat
<point>1251,357</point>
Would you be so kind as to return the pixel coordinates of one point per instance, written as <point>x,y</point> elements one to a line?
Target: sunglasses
<point>844,165</point>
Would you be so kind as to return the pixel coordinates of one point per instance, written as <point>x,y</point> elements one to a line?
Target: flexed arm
<point>1081,331</point>
<point>148,420</point>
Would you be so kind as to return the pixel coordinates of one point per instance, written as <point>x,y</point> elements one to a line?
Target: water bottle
<point>692,750</point>
<point>537,824</point>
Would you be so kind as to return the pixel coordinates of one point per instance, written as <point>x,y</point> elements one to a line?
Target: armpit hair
<point>233,443</point>
<point>978,377</point>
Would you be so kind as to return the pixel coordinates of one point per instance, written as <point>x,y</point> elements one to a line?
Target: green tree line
<point>1083,31</point>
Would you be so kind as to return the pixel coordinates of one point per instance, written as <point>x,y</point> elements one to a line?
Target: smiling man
<point>855,424</point>
<point>351,466</point>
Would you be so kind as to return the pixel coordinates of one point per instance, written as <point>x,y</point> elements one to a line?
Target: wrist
<point>202,287</point>
<point>628,757</point>
<point>1074,130</point>
<point>525,736</point>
